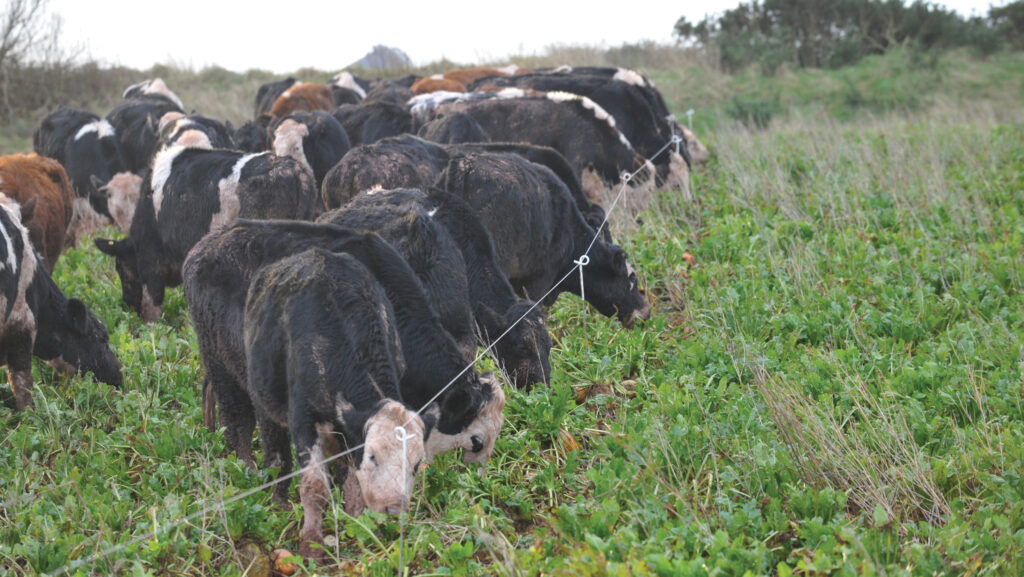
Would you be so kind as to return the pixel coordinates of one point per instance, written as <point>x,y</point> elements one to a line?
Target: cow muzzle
<point>642,314</point>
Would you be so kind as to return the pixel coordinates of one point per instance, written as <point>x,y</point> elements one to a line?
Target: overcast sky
<point>284,36</point>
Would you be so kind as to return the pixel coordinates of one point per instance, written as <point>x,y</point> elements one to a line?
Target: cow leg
<point>314,489</point>
<point>209,405</point>
<point>236,413</point>
<point>19,368</point>
<point>277,452</point>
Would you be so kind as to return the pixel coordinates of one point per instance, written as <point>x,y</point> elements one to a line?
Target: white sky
<point>284,36</point>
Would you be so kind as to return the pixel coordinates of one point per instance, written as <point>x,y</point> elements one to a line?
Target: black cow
<point>194,131</point>
<point>36,319</point>
<point>324,362</point>
<point>136,121</point>
<point>538,232</point>
<point>407,161</point>
<point>221,266</point>
<point>88,149</point>
<point>252,136</point>
<point>523,352</point>
<point>315,139</point>
<point>453,128</point>
<point>190,192</point>
<point>371,121</point>
<point>573,125</point>
<point>268,93</point>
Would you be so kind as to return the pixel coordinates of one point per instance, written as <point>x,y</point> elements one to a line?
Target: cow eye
<point>373,460</point>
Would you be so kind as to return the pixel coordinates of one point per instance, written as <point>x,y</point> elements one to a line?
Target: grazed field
<point>833,387</point>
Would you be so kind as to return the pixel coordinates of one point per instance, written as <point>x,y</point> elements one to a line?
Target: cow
<point>407,161</point>
<point>455,128</point>
<point>538,233</point>
<point>435,83</point>
<point>390,91</point>
<point>523,352</point>
<point>303,96</point>
<point>268,93</point>
<point>90,152</point>
<point>371,121</point>
<point>633,109</point>
<point>194,131</point>
<point>41,183</point>
<point>190,192</point>
<point>252,136</point>
<point>347,88</point>
<point>575,126</point>
<point>465,76</point>
<point>315,139</point>
<point>324,361</point>
<point>154,88</point>
<point>221,266</point>
<point>136,121</point>
<point>122,196</point>
<point>36,319</point>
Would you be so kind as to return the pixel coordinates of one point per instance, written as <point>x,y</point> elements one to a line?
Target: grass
<point>833,387</point>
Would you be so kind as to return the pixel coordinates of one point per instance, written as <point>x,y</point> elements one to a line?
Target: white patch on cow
<point>193,139</point>
<point>374,189</point>
<point>629,77</point>
<point>21,317</point>
<point>437,77</point>
<point>228,187</point>
<point>346,80</point>
<point>288,93</point>
<point>134,86</point>
<point>101,127</point>
<point>314,492</point>
<point>508,70</point>
<point>122,198</point>
<point>678,176</point>
<point>563,69</point>
<point>14,209</point>
<point>698,152</point>
<point>422,103</point>
<point>157,86</point>
<point>432,212</point>
<point>168,118</point>
<point>288,140</point>
<point>383,487</point>
<point>162,163</point>
<point>511,92</point>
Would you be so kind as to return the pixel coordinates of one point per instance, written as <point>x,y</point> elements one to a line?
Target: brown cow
<point>433,84</point>
<point>30,178</point>
<point>303,96</point>
<point>466,75</point>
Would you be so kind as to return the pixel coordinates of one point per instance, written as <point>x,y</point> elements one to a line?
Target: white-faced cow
<point>315,139</point>
<point>221,266</point>
<point>189,192</point>
<point>36,319</point>
<point>538,232</point>
<point>324,363</point>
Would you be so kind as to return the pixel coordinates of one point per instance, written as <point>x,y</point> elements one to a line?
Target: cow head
<point>379,470</point>
<point>523,353</point>
<point>139,297</point>
<point>480,407</point>
<point>611,285</point>
<point>122,195</point>
<point>82,345</point>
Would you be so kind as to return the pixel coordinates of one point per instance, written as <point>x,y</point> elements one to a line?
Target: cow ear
<point>96,181</point>
<point>114,248</point>
<point>78,315</point>
<point>490,320</point>
<point>28,208</point>
<point>457,405</point>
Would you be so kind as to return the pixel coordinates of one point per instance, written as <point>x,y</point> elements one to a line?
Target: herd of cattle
<point>343,254</point>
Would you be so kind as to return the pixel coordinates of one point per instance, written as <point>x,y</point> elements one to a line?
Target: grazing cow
<point>315,139</point>
<point>190,192</point>
<point>36,319</point>
<point>435,83</point>
<point>409,162</point>
<point>252,136</point>
<point>538,231</point>
<point>137,122</point>
<point>268,93</point>
<point>194,131</point>
<point>221,266</point>
<point>573,125</point>
<point>90,152</point>
<point>303,96</point>
<point>324,362</point>
<point>371,121</point>
<point>632,108</point>
<point>40,183</point>
<point>455,128</point>
<point>523,352</point>
<point>122,193</point>
<point>154,88</point>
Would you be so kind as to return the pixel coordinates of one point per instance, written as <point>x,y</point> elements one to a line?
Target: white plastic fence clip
<point>689,117</point>
<point>404,438</point>
<point>677,140</point>
<point>582,262</point>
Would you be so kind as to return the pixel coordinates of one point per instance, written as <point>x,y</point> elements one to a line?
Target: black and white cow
<point>538,232</point>
<point>194,131</point>
<point>90,152</point>
<point>324,363</point>
<point>153,88</point>
<point>347,88</point>
<point>575,126</point>
<point>221,266</point>
<point>36,319</point>
<point>188,193</point>
<point>268,93</point>
<point>315,139</point>
<point>137,122</point>
<point>371,121</point>
<point>523,352</point>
